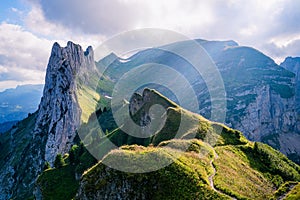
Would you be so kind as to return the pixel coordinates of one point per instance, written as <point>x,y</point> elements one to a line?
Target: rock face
<point>273,120</point>
<point>53,126</point>
<point>261,97</point>
<point>293,65</point>
<point>293,137</point>
<point>149,111</point>
<point>268,114</point>
<point>59,110</point>
<point>142,104</point>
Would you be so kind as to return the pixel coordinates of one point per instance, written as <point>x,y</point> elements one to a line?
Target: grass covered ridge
<point>252,171</point>
<point>58,184</point>
<point>244,170</point>
<point>62,183</point>
<point>236,177</point>
<point>185,178</point>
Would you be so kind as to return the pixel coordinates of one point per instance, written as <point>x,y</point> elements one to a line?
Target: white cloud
<point>15,10</point>
<point>3,69</point>
<point>25,50</point>
<point>23,56</point>
<point>36,23</point>
<point>22,48</point>
<point>253,23</point>
<point>270,26</point>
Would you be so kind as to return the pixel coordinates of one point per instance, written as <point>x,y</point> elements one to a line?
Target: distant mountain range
<point>42,156</point>
<point>16,103</point>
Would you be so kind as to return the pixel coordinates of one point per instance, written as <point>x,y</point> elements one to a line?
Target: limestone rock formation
<point>59,110</point>
<point>293,64</point>
<point>51,130</point>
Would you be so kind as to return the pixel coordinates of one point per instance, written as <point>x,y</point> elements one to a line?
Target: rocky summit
<point>50,130</point>
<point>59,111</point>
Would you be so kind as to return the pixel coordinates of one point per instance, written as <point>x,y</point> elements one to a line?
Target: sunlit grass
<point>235,176</point>
<point>294,194</point>
<point>88,100</point>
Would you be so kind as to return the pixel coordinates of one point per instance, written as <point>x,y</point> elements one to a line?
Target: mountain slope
<point>260,95</point>
<point>293,64</point>
<point>7,126</point>
<point>243,169</point>
<point>186,178</point>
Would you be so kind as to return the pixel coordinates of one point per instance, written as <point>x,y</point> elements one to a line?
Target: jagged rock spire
<point>59,111</point>
<point>51,130</point>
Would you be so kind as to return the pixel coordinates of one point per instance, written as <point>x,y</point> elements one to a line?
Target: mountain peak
<point>52,128</point>
<point>292,64</point>
<point>220,42</point>
<point>89,51</point>
<point>59,112</point>
<point>149,96</point>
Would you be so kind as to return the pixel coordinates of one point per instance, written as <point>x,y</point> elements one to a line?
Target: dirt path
<point>291,186</point>
<point>211,177</point>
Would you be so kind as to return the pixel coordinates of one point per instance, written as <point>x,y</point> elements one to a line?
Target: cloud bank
<point>270,26</point>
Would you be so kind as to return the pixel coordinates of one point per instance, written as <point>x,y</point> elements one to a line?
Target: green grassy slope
<point>235,175</point>
<point>58,184</point>
<point>61,183</point>
<point>294,193</point>
<point>244,170</point>
<point>185,178</point>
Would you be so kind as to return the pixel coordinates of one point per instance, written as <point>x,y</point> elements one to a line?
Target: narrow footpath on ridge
<point>211,177</point>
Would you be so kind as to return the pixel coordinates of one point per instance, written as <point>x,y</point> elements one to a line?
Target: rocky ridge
<point>53,126</point>
<point>261,99</point>
<point>59,109</point>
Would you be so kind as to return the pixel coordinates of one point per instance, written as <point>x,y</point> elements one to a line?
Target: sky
<point>28,28</point>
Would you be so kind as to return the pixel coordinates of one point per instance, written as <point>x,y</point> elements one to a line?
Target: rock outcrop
<point>273,120</point>
<point>293,64</point>
<point>142,104</point>
<point>261,97</point>
<point>59,110</point>
<point>53,126</point>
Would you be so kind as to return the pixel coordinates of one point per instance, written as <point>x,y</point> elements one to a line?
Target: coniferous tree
<point>74,154</point>
<point>59,161</point>
<point>47,166</point>
<point>104,109</point>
